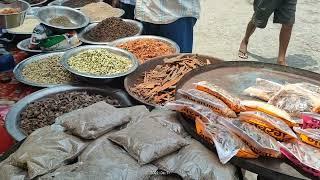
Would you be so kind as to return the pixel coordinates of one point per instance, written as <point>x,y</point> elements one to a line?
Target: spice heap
<point>47,71</point>
<point>158,85</point>
<point>111,29</point>
<point>104,9</point>
<point>78,3</point>
<point>61,21</point>
<point>27,27</point>
<point>99,62</point>
<point>9,10</point>
<point>145,49</point>
<point>44,112</point>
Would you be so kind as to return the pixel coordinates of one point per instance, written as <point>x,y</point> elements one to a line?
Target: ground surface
<point>222,26</point>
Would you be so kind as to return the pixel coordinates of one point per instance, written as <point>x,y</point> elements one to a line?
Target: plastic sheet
<point>273,126</point>
<point>263,89</point>
<point>147,140</point>
<point>309,86</point>
<point>228,99</point>
<point>257,140</point>
<point>303,155</point>
<point>309,136</point>
<point>209,101</point>
<point>196,162</point>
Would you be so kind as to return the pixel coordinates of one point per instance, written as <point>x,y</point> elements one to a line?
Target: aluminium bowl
<point>15,19</point>
<point>60,3</point>
<point>79,19</point>
<point>39,3</point>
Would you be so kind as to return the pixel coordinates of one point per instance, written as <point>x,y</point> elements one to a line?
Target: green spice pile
<point>99,62</point>
<point>47,71</point>
<point>61,21</point>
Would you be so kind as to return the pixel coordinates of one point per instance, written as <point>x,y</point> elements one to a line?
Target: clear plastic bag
<point>227,98</point>
<point>263,89</point>
<point>310,120</point>
<point>209,101</point>
<point>271,110</point>
<point>309,136</point>
<point>303,155</point>
<point>258,141</point>
<point>273,126</point>
<point>309,86</point>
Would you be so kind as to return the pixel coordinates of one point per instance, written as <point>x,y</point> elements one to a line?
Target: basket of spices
<point>98,63</point>
<point>43,71</point>
<point>147,47</point>
<point>110,30</point>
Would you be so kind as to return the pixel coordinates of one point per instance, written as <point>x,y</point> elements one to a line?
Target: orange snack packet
<point>309,136</point>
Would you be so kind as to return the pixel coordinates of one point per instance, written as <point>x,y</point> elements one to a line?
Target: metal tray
<point>39,3</point>
<point>23,45</point>
<point>60,2</point>
<point>88,28</point>
<point>17,71</point>
<point>12,121</point>
<point>136,76</point>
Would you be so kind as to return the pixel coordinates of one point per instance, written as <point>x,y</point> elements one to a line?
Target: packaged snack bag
<point>310,120</point>
<point>309,136</point>
<point>271,110</point>
<point>227,98</point>
<point>263,89</point>
<point>273,126</point>
<point>209,101</point>
<point>257,140</point>
<point>303,155</point>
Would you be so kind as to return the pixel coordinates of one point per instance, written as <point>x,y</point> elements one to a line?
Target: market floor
<point>222,26</point>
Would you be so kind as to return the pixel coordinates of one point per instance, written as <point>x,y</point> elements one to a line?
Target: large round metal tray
<point>12,121</point>
<point>114,50</point>
<point>17,71</point>
<point>137,76</point>
<point>23,45</point>
<point>60,2</point>
<point>88,28</point>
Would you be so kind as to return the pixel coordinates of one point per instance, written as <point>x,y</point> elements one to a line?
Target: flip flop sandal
<point>243,55</point>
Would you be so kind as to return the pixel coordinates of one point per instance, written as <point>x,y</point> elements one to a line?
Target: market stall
<point>93,98</point>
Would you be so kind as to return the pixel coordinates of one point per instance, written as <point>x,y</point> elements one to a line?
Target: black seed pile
<point>44,112</point>
<point>78,3</point>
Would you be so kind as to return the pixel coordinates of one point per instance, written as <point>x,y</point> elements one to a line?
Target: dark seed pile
<point>78,3</point>
<point>111,29</point>
<point>44,112</point>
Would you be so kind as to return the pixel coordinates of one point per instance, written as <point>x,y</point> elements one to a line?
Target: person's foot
<point>282,61</point>
<point>243,51</point>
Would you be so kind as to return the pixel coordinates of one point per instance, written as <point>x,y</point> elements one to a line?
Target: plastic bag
<point>257,140</point>
<point>228,99</point>
<point>271,110</point>
<point>309,136</point>
<point>294,100</point>
<point>309,86</point>
<point>196,162</point>
<point>10,172</point>
<point>303,155</point>
<point>263,89</point>
<point>46,149</point>
<point>273,126</point>
<point>147,140</point>
<point>310,120</point>
<point>209,101</point>
<point>226,143</point>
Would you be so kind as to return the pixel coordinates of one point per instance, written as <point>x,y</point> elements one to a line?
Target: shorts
<point>284,12</point>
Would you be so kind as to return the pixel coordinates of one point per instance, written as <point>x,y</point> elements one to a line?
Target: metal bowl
<point>98,78</point>
<point>15,19</point>
<point>13,30</point>
<point>88,28</point>
<point>79,19</point>
<point>13,119</point>
<point>39,3</point>
<point>23,45</point>
<point>60,2</point>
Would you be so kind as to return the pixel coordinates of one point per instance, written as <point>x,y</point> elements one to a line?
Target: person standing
<point>173,19</point>
<point>284,13</point>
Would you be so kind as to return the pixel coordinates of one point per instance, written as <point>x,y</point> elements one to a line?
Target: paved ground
<point>222,26</point>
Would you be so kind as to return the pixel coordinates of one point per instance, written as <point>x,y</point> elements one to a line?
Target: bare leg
<point>284,39</point>
<point>243,50</point>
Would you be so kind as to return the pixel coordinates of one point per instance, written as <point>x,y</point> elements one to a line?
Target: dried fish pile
<point>158,86</point>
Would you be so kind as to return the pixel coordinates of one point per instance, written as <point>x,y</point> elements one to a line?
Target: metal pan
<point>137,76</point>
<point>12,121</point>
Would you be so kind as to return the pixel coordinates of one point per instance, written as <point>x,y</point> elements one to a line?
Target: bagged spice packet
<point>273,126</point>
<point>257,140</point>
<point>227,98</point>
<point>303,155</point>
<point>309,136</point>
<point>310,120</point>
<point>209,101</point>
<point>263,89</point>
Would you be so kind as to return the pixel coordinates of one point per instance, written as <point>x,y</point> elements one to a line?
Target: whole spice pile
<point>47,71</point>
<point>9,10</point>
<point>104,9</point>
<point>159,85</point>
<point>99,62</point>
<point>145,49</point>
<point>78,3</point>
<point>44,112</point>
<point>27,27</point>
<point>111,29</point>
<point>61,21</point>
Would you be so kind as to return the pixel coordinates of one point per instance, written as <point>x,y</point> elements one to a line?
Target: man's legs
<point>243,50</point>
<point>284,38</point>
